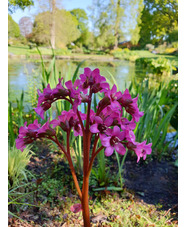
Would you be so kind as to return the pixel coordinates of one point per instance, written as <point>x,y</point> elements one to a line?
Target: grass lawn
<point>147,54</point>
<point>131,56</point>
<point>25,50</point>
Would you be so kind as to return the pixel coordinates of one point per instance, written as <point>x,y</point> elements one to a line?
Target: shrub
<point>170,50</point>
<point>149,47</point>
<point>17,162</point>
<point>175,44</point>
<point>161,65</point>
<point>121,53</point>
<point>126,50</point>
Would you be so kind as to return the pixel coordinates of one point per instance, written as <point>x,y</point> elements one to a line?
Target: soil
<point>154,182</point>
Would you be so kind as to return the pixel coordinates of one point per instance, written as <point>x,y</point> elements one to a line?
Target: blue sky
<point>67,4</point>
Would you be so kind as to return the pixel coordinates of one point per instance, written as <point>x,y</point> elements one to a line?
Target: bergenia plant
<point>106,124</point>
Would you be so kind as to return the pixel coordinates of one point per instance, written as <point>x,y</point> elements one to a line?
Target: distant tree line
<point>112,21</point>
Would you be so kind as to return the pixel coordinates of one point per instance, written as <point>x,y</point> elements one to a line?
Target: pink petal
<point>109,151</point>
<point>76,208</point>
<point>114,89</point>
<point>109,131</point>
<point>77,83</point>
<point>94,128</point>
<point>121,136</point>
<point>116,131</point>
<point>115,104</point>
<point>55,123</point>
<point>69,84</point>
<point>120,148</point>
<point>126,94</point>
<point>105,85</point>
<point>83,77</point>
<point>23,130</point>
<point>20,144</point>
<point>95,72</point>
<point>98,120</point>
<point>105,141</point>
<point>87,71</point>
<point>108,121</point>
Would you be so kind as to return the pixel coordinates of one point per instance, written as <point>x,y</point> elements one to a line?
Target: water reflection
<point>26,75</point>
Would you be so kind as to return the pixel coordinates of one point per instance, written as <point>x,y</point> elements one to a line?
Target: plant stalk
<point>85,203</point>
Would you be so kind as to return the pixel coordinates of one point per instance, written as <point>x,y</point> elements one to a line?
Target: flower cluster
<point>115,131</point>
<point>27,134</point>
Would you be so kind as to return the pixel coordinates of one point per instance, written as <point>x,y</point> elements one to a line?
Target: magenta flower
<point>141,149</point>
<point>73,88</point>
<point>45,96</point>
<point>76,94</point>
<point>40,110</point>
<point>113,141</point>
<point>45,100</point>
<point>68,120</point>
<point>130,105</point>
<point>46,130</point>
<point>115,114</point>
<point>109,112</point>
<point>129,136</point>
<point>21,143</point>
<point>113,95</point>
<point>27,134</point>
<point>60,91</point>
<point>101,125</point>
<point>93,80</point>
<point>126,124</point>
<point>49,96</point>
<point>76,208</point>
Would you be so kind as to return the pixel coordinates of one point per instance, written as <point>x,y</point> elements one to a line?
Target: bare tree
<point>25,25</point>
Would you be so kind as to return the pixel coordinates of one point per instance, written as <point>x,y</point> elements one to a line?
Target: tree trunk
<point>53,24</point>
<point>117,24</point>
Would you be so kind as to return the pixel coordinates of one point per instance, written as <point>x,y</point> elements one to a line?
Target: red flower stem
<point>68,143</point>
<point>86,149</point>
<point>81,122</point>
<point>70,164</point>
<point>79,117</point>
<point>92,159</point>
<point>88,111</point>
<point>85,204</point>
<point>95,144</point>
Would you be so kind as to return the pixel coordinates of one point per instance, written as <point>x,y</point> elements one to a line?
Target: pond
<point>26,74</point>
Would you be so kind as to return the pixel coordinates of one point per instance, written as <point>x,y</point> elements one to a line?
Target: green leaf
<point>76,71</point>
<point>111,188</point>
<point>162,124</point>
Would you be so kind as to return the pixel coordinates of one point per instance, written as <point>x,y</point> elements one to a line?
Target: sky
<point>67,4</point>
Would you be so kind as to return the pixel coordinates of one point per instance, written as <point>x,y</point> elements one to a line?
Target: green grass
<point>133,55</point>
<point>17,162</point>
<point>25,50</point>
